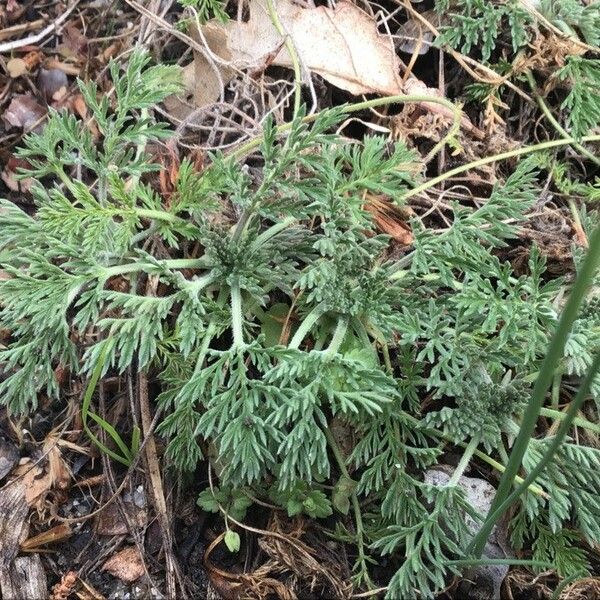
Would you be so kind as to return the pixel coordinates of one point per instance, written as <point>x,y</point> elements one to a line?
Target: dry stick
<point>192,43</point>
<point>34,39</point>
<point>107,465</point>
<point>156,485</point>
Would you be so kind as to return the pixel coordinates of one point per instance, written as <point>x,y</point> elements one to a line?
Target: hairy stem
<point>557,126</point>
<point>272,231</point>
<point>135,267</point>
<point>358,522</point>
<point>465,460</point>
<point>237,316</point>
<point>157,215</point>
<point>338,336</point>
<point>306,325</point>
<point>209,333</point>
<point>497,157</point>
<point>289,44</point>
<point>244,149</point>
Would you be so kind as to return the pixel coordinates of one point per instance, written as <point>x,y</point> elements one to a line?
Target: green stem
<point>360,544</point>
<point>289,44</point>
<point>157,215</point>
<point>197,285</point>
<point>554,354</point>
<point>338,336</point>
<point>556,388</point>
<point>496,157</point>
<point>58,169</point>
<point>465,460</point>
<point>577,421</point>
<point>237,316</point>
<point>307,325</point>
<point>272,231</point>
<point>244,149</point>
<point>242,223</point>
<point>209,333</point>
<point>534,489</point>
<point>174,263</point>
<point>363,335</point>
<point>564,583</point>
<point>557,126</point>
<point>473,562</point>
<point>143,234</point>
<point>499,508</point>
<point>502,452</point>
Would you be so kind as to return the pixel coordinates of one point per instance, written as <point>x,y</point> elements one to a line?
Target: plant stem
<point>157,215</point>
<point>309,321</point>
<point>244,149</point>
<point>534,489</point>
<point>554,354</point>
<point>465,460</point>
<point>360,544</point>
<point>363,335</point>
<point>556,389</point>
<point>289,44</point>
<point>338,336</point>
<point>499,508</point>
<point>209,333</point>
<point>272,231</point>
<point>241,224</point>
<point>237,316</point>
<point>174,263</point>
<point>557,126</point>
<point>496,157</point>
<point>577,421</point>
<point>473,562</point>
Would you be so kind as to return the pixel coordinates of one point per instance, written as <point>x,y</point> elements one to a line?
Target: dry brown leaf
<point>24,112</point>
<point>342,45</point>
<point>40,477</point>
<point>9,175</point>
<point>51,536</point>
<point>111,522</point>
<point>126,565</point>
<point>390,219</point>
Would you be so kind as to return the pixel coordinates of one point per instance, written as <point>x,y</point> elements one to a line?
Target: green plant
<point>266,305</point>
<point>207,9</point>
<point>583,100</point>
<point>479,23</point>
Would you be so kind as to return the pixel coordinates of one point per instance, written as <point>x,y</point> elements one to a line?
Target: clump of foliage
<point>263,329</point>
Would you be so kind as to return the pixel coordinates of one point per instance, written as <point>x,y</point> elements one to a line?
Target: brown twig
<point>171,569</point>
<point>37,37</point>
